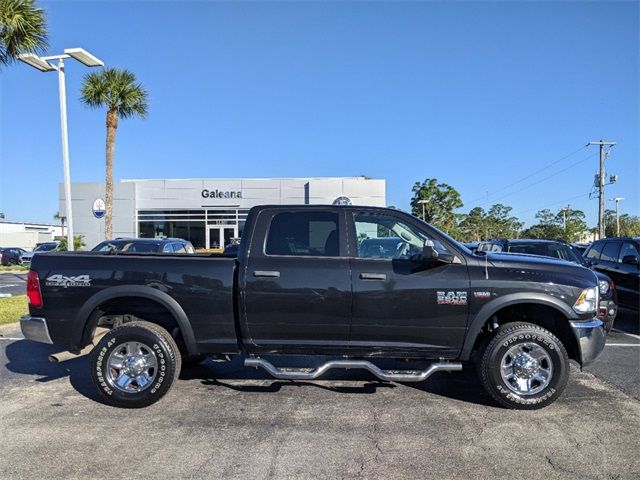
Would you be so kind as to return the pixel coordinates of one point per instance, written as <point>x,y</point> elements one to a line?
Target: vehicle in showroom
<point>11,255</point>
<point>145,245</point>
<point>25,258</point>
<point>619,258</point>
<point>608,308</point>
<point>303,284</point>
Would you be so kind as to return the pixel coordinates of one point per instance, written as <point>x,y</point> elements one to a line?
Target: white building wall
<point>27,235</point>
<point>131,196</point>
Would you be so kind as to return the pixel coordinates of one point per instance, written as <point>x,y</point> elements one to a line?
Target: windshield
<point>130,246</point>
<point>456,243</point>
<point>47,247</point>
<point>554,250</point>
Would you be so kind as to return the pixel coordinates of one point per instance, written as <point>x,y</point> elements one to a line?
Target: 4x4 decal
<point>68,281</point>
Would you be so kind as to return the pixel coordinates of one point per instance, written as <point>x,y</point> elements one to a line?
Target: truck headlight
<point>603,286</point>
<point>587,301</point>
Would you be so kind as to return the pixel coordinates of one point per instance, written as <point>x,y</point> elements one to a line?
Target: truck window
<point>628,248</point>
<point>610,251</point>
<point>304,234</point>
<point>385,236</point>
<point>594,251</point>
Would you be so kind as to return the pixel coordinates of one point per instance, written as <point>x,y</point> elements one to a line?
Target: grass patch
<point>13,268</point>
<point>12,308</point>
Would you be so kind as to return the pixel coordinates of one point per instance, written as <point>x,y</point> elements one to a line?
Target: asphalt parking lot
<point>224,421</point>
<point>13,284</point>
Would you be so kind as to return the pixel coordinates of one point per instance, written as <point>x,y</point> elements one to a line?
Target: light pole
<point>617,200</point>
<point>423,202</point>
<point>43,64</point>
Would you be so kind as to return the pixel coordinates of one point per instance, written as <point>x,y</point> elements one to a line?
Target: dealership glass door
<point>219,237</point>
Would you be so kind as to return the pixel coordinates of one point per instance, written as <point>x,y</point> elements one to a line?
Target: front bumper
<point>591,337</point>
<point>35,328</point>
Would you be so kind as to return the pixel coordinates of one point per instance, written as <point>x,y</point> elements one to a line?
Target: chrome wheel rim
<point>526,368</point>
<point>131,367</point>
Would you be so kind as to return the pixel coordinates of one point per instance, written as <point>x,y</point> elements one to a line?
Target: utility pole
<point>564,217</point>
<point>601,184</point>
<point>617,200</point>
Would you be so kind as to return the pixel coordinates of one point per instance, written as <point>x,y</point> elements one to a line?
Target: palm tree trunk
<point>112,126</point>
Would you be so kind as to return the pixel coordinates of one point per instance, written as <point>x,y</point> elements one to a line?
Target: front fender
<point>86,324</point>
<point>490,308</point>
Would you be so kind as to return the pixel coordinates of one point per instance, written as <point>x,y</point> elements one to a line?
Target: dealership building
<point>208,212</point>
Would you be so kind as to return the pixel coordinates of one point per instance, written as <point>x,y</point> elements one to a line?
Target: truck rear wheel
<point>524,366</point>
<point>135,364</point>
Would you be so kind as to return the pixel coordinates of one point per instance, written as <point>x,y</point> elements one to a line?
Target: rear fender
<point>86,320</point>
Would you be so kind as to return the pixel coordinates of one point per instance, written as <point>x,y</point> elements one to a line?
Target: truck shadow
<point>31,359</point>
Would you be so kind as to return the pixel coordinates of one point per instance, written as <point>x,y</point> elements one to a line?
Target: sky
<point>496,99</point>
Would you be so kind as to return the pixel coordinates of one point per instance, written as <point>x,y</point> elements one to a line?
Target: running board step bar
<point>387,375</point>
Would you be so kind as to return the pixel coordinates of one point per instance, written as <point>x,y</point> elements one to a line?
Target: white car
<point>25,259</point>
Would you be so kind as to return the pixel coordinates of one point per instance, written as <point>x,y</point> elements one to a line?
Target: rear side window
<point>304,234</point>
<point>628,248</point>
<point>595,250</point>
<point>610,251</point>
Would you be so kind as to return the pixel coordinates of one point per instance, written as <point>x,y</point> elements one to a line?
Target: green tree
<point>78,242</point>
<point>124,97</point>
<point>23,29</point>
<point>440,202</point>
<point>573,224</point>
<point>629,224</point>
<point>566,224</point>
<point>472,226</point>
<point>501,224</point>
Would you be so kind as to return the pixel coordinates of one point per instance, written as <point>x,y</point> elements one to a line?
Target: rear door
<point>296,286</point>
<point>628,282</point>
<point>401,304</point>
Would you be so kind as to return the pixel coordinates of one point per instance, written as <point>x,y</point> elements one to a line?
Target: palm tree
<point>118,91</point>
<point>62,220</point>
<point>23,29</point>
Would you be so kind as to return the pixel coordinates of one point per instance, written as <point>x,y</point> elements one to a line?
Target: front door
<point>400,303</point>
<point>220,237</point>
<point>296,288</point>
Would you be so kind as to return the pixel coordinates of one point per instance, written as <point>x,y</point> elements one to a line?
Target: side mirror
<point>630,259</point>
<point>429,253</point>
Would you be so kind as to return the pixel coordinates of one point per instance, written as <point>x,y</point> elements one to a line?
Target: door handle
<point>266,273</point>
<point>373,276</point>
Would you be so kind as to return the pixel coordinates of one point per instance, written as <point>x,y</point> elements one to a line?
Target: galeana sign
<point>220,194</point>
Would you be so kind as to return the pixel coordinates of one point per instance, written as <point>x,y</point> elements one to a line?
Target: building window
<point>191,231</point>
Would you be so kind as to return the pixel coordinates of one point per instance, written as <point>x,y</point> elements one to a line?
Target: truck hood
<point>540,269</point>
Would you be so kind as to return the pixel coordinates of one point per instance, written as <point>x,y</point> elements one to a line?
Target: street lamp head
<point>84,57</point>
<point>36,62</point>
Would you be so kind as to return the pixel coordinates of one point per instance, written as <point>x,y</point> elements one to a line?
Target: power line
<point>550,205</point>
<point>555,162</point>
<point>541,180</point>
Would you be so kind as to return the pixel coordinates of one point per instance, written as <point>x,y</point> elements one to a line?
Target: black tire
<point>513,340</point>
<point>160,348</point>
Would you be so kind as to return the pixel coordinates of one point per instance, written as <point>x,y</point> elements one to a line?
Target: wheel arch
<point>90,313</point>
<point>504,308</point>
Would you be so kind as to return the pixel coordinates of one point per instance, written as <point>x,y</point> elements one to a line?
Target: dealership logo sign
<point>220,194</point>
<point>99,208</point>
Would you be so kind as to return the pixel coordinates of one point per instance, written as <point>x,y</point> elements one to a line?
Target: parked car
<point>473,246</point>
<point>564,251</point>
<point>25,258</point>
<point>145,245</point>
<point>307,282</point>
<point>11,255</point>
<point>619,259</point>
<point>580,247</point>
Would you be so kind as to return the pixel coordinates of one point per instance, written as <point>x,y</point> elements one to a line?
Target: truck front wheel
<point>135,365</point>
<point>524,366</point>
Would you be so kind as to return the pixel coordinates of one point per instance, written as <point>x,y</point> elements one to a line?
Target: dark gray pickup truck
<point>354,283</point>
